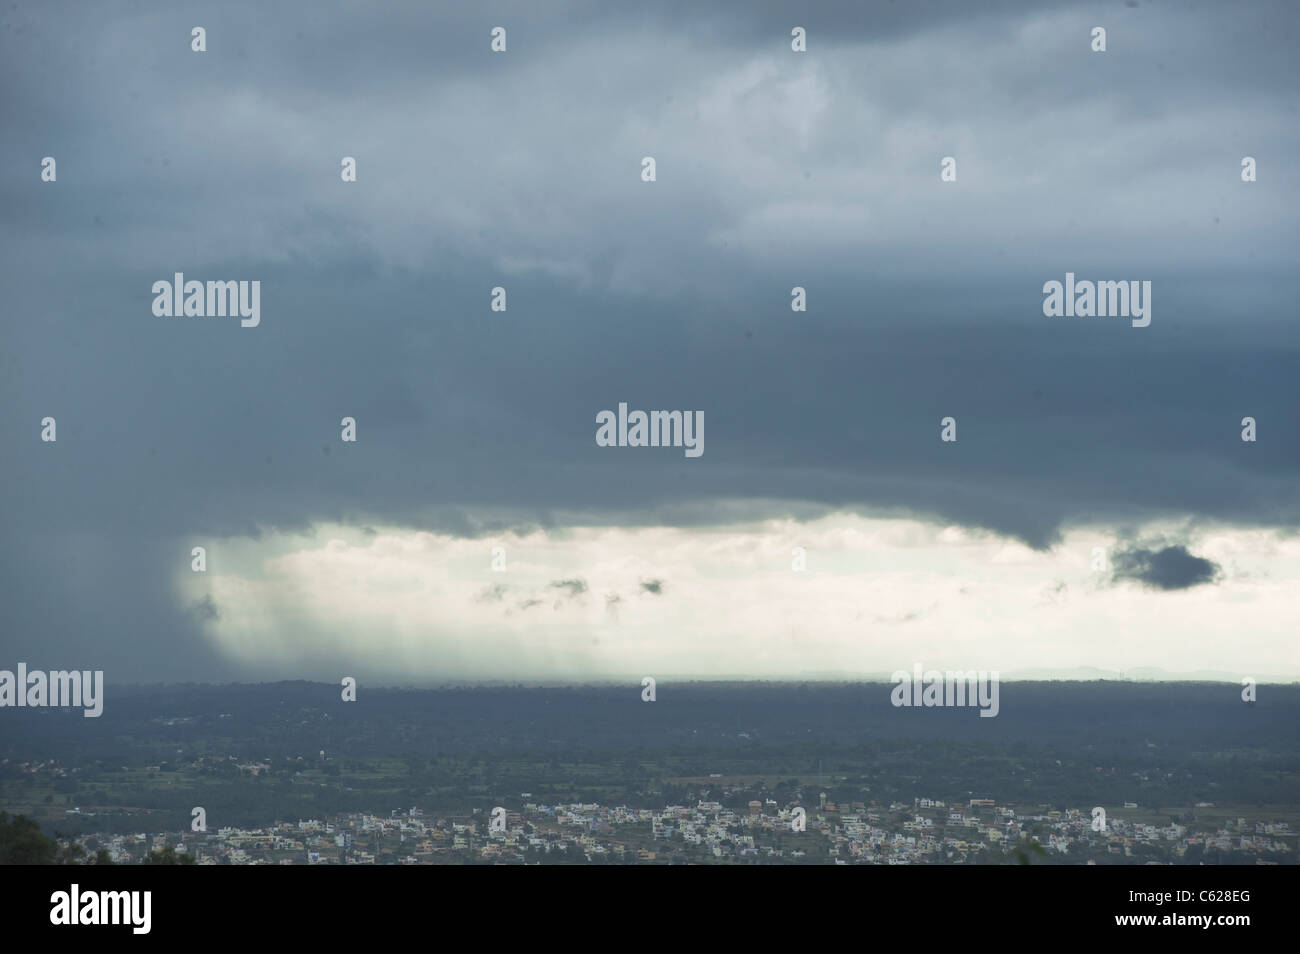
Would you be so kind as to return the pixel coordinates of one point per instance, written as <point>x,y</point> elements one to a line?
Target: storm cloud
<point>522,170</point>
<point>1169,568</point>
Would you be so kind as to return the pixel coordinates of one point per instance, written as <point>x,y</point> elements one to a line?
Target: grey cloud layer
<point>521,170</point>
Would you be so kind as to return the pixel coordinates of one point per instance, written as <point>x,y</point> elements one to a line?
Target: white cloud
<point>877,595</point>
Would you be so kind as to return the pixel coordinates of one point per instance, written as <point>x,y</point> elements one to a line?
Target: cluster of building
<point>927,831</point>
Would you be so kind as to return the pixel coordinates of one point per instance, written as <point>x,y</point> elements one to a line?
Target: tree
<point>23,843</point>
<point>69,852</point>
<point>1029,850</point>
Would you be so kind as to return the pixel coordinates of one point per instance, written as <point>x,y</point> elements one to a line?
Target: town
<point>926,831</point>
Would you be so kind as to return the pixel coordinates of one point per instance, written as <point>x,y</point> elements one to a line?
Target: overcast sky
<point>476,428</point>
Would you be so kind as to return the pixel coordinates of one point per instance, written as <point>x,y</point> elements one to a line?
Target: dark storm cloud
<point>521,170</point>
<point>1170,568</point>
